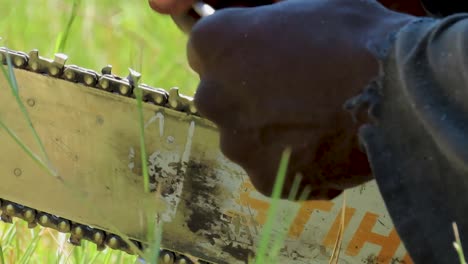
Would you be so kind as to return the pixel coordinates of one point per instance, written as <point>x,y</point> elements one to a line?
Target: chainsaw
<point>208,209</point>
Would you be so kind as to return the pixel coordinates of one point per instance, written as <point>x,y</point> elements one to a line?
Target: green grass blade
<point>63,36</point>
<point>280,237</point>
<point>9,235</point>
<point>10,76</point>
<point>272,210</point>
<point>77,253</point>
<point>295,187</point>
<point>119,257</point>
<point>95,257</point>
<point>2,256</point>
<point>108,256</point>
<point>141,123</point>
<point>153,249</point>
<point>26,149</point>
<point>17,244</point>
<point>31,248</point>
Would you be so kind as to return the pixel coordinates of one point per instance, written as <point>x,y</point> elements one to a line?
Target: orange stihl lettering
<point>407,259</point>
<point>304,214</point>
<point>261,207</point>
<point>332,235</point>
<point>364,234</point>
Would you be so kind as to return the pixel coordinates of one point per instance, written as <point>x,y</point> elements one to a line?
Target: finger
<point>204,39</point>
<point>172,7</point>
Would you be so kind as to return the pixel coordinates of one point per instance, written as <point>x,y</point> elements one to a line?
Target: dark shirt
<point>417,144</point>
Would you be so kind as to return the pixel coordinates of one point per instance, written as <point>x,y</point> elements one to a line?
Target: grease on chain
<point>105,81</point>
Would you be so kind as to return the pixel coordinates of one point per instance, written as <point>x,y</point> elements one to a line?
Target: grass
<point>87,31</point>
<point>103,32</point>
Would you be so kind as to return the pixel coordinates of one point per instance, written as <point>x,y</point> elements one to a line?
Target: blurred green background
<point>117,32</point>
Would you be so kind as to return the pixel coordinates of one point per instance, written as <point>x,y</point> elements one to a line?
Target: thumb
<point>171,7</point>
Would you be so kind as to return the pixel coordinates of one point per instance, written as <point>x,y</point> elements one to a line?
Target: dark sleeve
<point>417,139</point>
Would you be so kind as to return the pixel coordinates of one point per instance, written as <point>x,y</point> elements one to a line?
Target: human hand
<point>179,7</point>
<point>172,7</point>
<point>277,76</point>
<point>185,16</point>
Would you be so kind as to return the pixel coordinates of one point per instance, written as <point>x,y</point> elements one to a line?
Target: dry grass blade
<point>337,247</point>
<point>26,149</point>
<point>457,244</point>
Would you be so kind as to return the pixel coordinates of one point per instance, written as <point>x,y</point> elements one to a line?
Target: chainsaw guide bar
<point>105,81</point>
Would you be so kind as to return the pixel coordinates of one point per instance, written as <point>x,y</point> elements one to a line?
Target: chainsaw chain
<point>104,81</point>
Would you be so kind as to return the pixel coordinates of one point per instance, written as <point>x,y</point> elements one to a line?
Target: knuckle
<point>206,102</point>
<point>210,33</point>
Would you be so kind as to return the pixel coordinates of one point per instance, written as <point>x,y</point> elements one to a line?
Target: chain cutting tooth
<point>57,66</point>
<point>6,218</point>
<point>175,101</point>
<point>134,77</point>
<point>181,102</point>
<point>53,67</point>
<point>76,235</point>
<point>107,70</point>
<point>30,217</point>
<point>99,239</point>
<point>63,226</point>
<point>133,81</point>
<point>6,210</point>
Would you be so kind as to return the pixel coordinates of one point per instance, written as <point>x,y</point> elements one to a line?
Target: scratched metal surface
<point>207,205</point>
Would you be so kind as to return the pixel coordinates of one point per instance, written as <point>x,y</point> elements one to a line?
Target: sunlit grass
<point>109,31</point>
<point>103,32</point>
